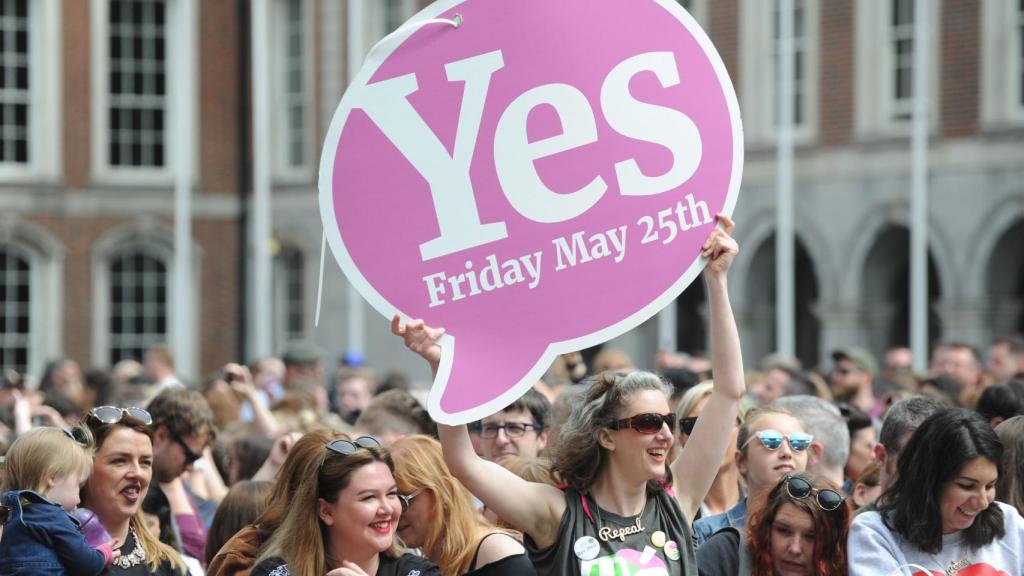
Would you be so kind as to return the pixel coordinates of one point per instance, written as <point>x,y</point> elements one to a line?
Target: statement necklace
<point>606,533</point>
<point>137,556</point>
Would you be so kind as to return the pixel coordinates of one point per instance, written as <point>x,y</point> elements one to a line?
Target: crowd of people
<point>698,467</point>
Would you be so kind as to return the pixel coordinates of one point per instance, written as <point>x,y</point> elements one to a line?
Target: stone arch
<point>865,234</point>
<point>885,283</point>
<point>760,227</point>
<point>1004,280</point>
<point>295,262</point>
<point>991,232</point>
<point>15,230</point>
<point>761,291</point>
<point>45,254</point>
<point>153,237</point>
<point>691,319</point>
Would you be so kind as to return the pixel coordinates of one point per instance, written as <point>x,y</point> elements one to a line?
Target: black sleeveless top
<point>515,565</point>
<point>595,542</point>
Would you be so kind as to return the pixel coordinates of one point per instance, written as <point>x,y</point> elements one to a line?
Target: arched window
<point>15,309</point>
<point>289,295</point>
<point>138,298</point>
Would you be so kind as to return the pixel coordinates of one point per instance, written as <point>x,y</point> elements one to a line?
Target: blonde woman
<point>726,491</point>
<point>45,467</point>
<point>442,522</point>
<point>121,473</point>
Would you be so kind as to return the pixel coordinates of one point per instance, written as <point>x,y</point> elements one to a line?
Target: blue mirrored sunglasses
<point>772,440</point>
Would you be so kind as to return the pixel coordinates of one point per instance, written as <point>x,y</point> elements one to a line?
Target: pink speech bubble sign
<point>537,181</point>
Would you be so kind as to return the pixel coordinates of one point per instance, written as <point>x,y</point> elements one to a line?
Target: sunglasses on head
<point>76,435</point>
<point>347,447</point>
<point>113,414</point>
<point>772,440</point>
<point>646,423</point>
<point>826,499</point>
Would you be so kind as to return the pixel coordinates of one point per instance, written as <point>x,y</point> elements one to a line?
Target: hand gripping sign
<point>536,180</point>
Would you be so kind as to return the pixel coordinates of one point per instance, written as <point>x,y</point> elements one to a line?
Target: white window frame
<point>152,236</point>
<point>758,47</point>
<point>1001,65</point>
<point>281,298</point>
<point>874,73</point>
<point>45,96</point>
<point>103,171</point>
<point>18,252</point>
<point>46,276</point>
<point>284,171</point>
<point>156,255</point>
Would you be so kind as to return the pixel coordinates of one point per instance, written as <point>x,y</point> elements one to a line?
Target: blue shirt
<point>736,517</point>
<point>41,539</point>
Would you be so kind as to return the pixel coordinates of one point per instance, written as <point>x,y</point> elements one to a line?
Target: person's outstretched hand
<point>720,248</point>
<point>420,338</point>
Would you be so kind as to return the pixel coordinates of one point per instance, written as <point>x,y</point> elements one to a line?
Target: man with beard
<point>853,378</point>
<point>182,429</point>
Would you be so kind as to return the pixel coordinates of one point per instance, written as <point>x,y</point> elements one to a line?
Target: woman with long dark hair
<point>940,514</point>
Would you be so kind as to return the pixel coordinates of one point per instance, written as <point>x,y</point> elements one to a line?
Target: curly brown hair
<point>830,530</point>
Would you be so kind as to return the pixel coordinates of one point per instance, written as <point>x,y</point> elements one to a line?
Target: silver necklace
<point>606,533</point>
<point>137,556</point>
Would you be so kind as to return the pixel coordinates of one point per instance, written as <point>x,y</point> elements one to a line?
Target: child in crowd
<point>45,467</point>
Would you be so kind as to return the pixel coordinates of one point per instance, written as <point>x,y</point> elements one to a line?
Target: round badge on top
<point>658,539</point>
<point>586,548</point>
<point>672,550</point>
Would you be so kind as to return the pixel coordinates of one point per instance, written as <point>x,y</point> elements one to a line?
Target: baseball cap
<point>860,358</point>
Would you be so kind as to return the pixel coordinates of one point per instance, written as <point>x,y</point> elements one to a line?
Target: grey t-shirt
<point>658,541</point>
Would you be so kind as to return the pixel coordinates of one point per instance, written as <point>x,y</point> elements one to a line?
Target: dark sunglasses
<point>646,423</point>
<point>828,500</point>
<point>347,447</point>
<point>686,425</point>
<point>113,414</point>
<point>5,514</point>
<point>190,456</point>
<point>407,499</point>
<point>772,440</point>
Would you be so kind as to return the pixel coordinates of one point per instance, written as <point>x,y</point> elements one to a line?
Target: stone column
<point>842,324</point>
<point>966,320</point>
<point>1005,315</point>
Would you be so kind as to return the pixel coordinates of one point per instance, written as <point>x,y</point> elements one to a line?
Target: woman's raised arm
<point>533,508</point>
<point>693,476</point>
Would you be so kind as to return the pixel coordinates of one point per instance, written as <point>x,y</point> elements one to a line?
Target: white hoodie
<point>874,550</point>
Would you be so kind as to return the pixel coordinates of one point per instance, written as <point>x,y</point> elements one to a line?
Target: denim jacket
<point>736,517</point>
<point>41,539</point>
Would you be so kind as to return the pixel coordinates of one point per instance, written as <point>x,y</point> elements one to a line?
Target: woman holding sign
<point>615,515</point>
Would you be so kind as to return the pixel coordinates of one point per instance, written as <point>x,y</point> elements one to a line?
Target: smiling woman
<point>343,518</point>
<point>614,455</point>
<point>800,530</point>
<point>122,471</point>
<point>940,513</point>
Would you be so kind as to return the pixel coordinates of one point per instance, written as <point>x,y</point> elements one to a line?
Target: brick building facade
<point>86,188</point>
